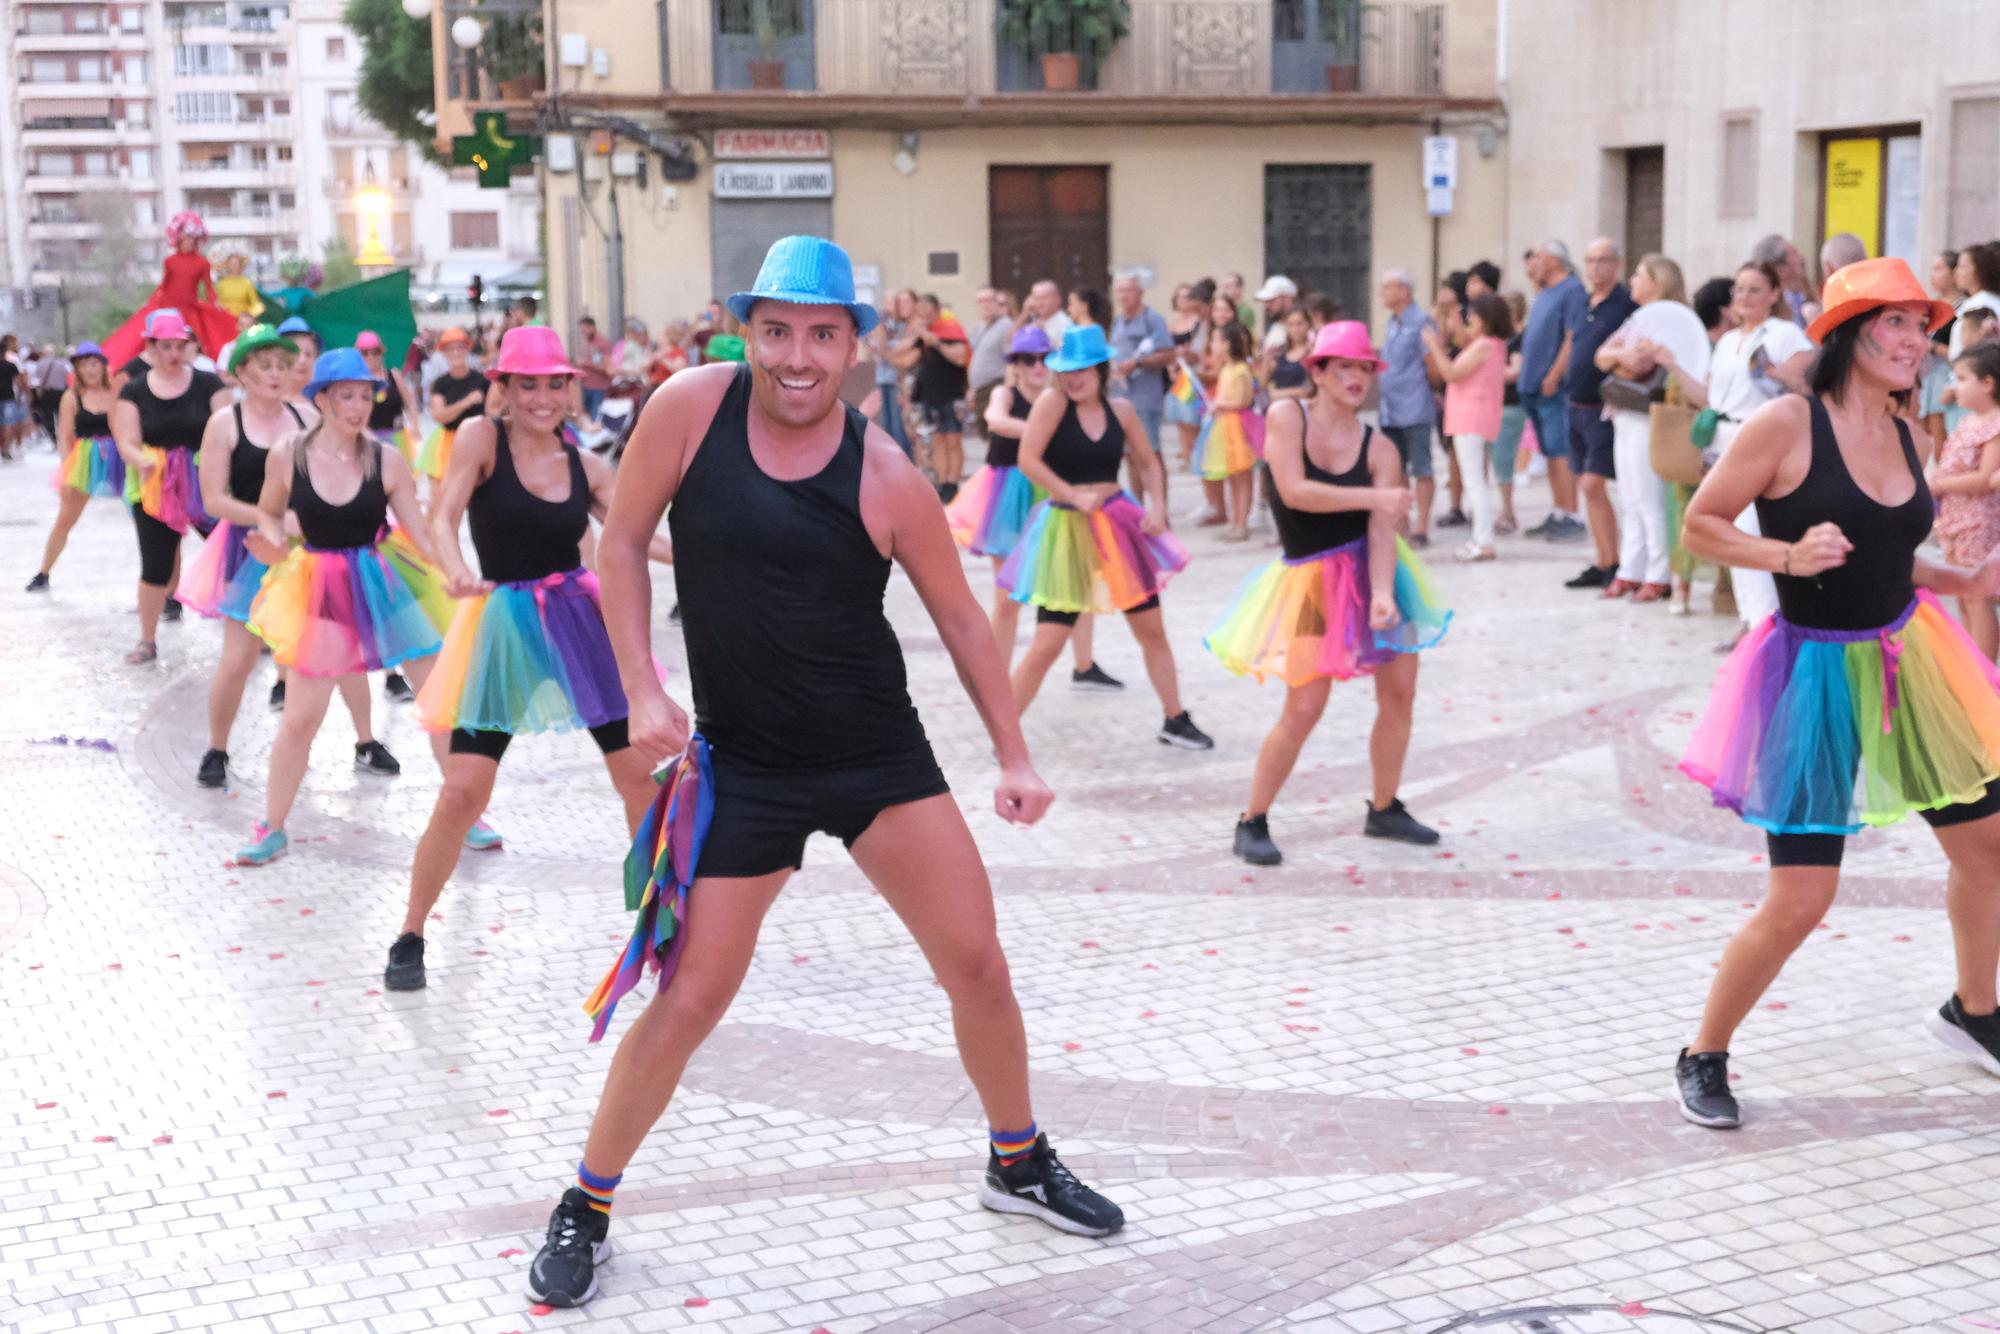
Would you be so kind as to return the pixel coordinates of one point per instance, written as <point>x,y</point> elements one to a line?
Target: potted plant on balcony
<point>513,56</point>
<point>1340,29</point>
<point>1072,38</point>
<point>767,71</point>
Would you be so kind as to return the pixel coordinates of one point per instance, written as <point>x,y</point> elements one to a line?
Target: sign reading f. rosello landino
<point>770,144</point>
<point>774,180</point>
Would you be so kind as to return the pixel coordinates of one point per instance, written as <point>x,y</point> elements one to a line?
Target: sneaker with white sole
<point>1094,677</point>
<point>482,837</point>
<point>266,846</point>
<point>1701,1087</point>
<point>1039,1186</point>
<point>564,1271</point>
<point>1976,1037</point>
<point>372,757</point>
<point>1180,730</point>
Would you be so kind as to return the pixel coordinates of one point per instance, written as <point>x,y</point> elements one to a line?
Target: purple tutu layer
<point>526,657</point>
<point>224,577</point>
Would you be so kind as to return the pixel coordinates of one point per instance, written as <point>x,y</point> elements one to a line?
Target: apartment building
<point>241,110</point>
<point>1263,136</point>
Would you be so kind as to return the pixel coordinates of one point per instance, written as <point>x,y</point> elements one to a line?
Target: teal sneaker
<point>270,844</point>
<point>482,837</point>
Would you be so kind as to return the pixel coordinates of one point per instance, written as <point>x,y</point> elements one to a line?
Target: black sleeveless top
<point>1306,533</point>
<point>177,422</point>
<point>336,527</point>
<point>247,459</point>
<point>1289,374</point>
<point>90,425</point>
<point>387,414</point>
<point>518,535</point>
<point>792,662</point>
<point>454,387</point>
<point>1874,585</point>
<point>1004,451</point>
<point>1079,460</point>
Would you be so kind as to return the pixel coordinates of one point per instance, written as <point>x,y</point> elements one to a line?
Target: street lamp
<point>417,9</point>
<point>371,203</point>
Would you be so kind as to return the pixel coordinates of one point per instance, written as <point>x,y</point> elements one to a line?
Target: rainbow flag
<point>1187,390</point>
<point>662,861</point>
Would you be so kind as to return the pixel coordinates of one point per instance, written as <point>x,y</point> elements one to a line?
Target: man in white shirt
<point>989,352</point>
<point>1045,304</point>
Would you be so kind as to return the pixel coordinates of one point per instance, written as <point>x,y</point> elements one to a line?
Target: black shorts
<point>610,737</point>
<point>1826,849</point>
<point>763,817</point>
<point>942,418</point>
<point>1047,616</point>
<point>1592,445</point>
<point>159,548</point>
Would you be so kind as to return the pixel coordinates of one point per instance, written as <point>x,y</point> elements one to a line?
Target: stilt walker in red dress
<point>182,283</point>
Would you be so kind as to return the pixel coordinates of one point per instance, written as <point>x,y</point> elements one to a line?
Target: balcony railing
<point>970,48</point>
<point>508,63</point>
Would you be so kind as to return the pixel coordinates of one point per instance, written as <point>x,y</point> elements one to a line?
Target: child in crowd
<point>1966,480</point>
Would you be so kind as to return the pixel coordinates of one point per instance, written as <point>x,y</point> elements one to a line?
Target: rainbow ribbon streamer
<point>662,862</point>
<point>1187,389</point>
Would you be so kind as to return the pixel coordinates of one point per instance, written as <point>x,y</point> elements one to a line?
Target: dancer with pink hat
<point>393,420</point>
<point>158,423</point>
<point>1347,598</point>
<point>527,650</point>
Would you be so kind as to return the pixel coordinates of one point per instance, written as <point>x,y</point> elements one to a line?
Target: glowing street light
<point>371,203</point>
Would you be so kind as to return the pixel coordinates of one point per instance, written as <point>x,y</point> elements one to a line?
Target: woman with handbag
<point>1663,329</point>
<point>1764,356</point>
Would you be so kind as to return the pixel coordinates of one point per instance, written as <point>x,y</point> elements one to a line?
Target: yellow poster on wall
<point>1854,190</point>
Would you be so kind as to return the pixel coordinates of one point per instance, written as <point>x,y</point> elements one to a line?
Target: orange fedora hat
<point>1869,285</point>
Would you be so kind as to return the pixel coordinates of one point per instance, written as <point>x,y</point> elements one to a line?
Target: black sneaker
<point>172,611</point>
<point>1976,1037</point>
<point>1395,821</point>
<point>39,584</point>
<point>406,964</point>
<point>214,769</point>
<point>373,757</point>
<point>1453,518</point>
<point>1593,576</point>
<point>1094,677</point>
<point>1417,541</point>
<point>1253,842</point>
<point>1542,529</point>
<point>1180,730</point>
<point>565,1270</point>
<point>1701,1082</point>
<point>396,688</point>
<point>1041,1187</point>
<point>278,696</point>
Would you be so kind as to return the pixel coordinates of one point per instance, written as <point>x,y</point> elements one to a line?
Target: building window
<point>1869,185</point>
<point>1971,212</point>
<point>279,60</point>
<point>475,231</point>
<point>284,152</point>
<point>1738,191</point>
<point>282,107</point>
<point>336,48</point>
<point>192,60</point>
<point>286,199</point>
<point>132,20</point>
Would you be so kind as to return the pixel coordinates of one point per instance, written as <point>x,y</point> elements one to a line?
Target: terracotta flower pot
<point>1343,78</point>
<point>767,75</point>
<point>1059,72</point>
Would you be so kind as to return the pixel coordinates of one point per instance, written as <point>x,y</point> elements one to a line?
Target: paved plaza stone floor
<point>1379,1088</point>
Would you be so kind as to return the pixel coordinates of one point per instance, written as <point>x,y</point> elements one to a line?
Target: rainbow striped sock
<point>1011,1146</point>
<point>599,1189</point>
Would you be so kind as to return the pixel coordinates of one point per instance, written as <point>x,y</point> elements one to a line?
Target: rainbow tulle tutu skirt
<point>224,577</point>
<point>170,490</point>
<point>1068,560</point>
<point>1232,441</point>
<point>356,609</point>
<point>990,512</point>
<point>526,657</point>
<point>435,456</point>
<point>1303,620</point>
<point>399,440</point>
<point>93,466</point>
<point>1827,731</point>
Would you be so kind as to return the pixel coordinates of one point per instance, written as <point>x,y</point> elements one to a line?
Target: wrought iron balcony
<point>969,49</point>
<point>507,65</point>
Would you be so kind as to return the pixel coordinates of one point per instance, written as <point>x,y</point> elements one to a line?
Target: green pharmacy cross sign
<point>492,150</point>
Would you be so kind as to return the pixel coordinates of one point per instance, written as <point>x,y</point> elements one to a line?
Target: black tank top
<point>177,422</point>
<point>1306,533</point>
<point>1079,460</point>
<point>454,387</point>
<point>90,425</point>
<point>336,527</point>
<point>1289,374</point>
<point>792,662</point>
<point>1004,451</point>
<point>1874,585</point>
<point>387,414</point>
<point>247,459</point>
<point>518,535</point>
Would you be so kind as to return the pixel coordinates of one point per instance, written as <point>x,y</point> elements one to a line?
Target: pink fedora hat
<point>1347,340</point>
<point>167,325</point>
<point>532,349</point>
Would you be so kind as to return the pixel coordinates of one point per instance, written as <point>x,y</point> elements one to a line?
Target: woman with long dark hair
<point>1860,700</point>
<point>90,463</point>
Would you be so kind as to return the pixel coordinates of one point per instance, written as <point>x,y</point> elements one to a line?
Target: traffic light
<point>476,291</point>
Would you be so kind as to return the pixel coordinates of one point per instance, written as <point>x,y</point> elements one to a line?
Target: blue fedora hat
<point>805,271</point>
<point>338,366</point>
<point>1081,349</point>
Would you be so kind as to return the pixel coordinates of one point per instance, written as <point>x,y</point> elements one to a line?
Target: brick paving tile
<point>1372,1089</point>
